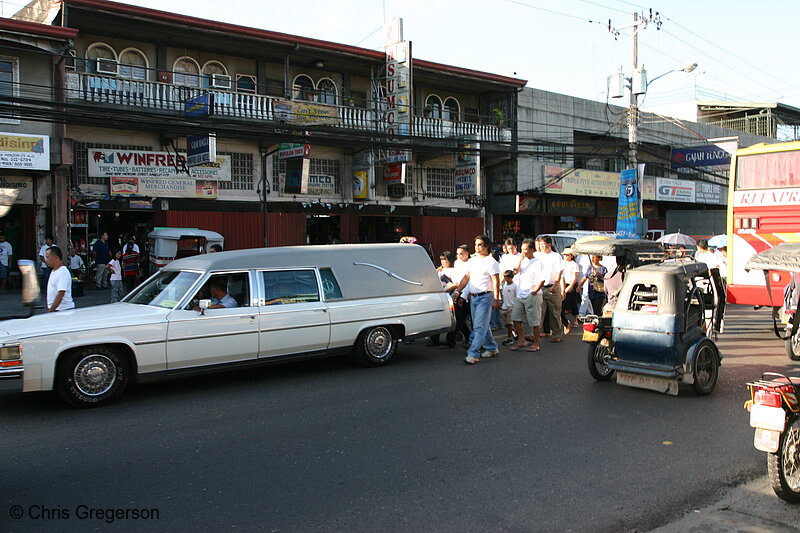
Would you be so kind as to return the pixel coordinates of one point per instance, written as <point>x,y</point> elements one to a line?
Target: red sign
<point>395,173</point>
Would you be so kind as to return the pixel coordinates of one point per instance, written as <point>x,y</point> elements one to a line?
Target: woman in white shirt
<point>115,266</point>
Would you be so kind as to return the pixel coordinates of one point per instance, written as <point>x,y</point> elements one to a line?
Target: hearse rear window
<point>330,287</point>
<point>290,286</point>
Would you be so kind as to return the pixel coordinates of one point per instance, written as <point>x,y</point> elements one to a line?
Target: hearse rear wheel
<point>92,377</point>
<point>375,346</point>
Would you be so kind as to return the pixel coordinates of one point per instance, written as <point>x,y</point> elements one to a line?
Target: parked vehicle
<point>565,238</point>
<point>168,244</point>
<point>784,257</point>
<point>774,406</point>
<point>290,303</point>
<point>662,323</point>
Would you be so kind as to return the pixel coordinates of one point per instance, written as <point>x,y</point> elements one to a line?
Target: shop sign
<point>571,206</point>
<point>140,203</point>
<point>395,173</point>
<point>580,182</point>
<point>137,164</point>
<point>289,150</point>
<point>467,169</point>
<point>23,186</point>
<point>398,88</point>
<point>305,113</point>
<point>164,187</point>
<point>321,185</point>
<point>669,190</point>
<point>689,159</point>
<point>201,149</point>
<point>360,184</point>
<point>710,193</point>
<point>628,207</point>
<point>529,204</point>
<point>199,106</point>
<point>24,152</point>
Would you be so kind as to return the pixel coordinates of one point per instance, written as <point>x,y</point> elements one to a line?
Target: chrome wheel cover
<point>790,462</point>
<point>94,375</point>
<point>796,343</point>
<point>378,343</point>
<point>602,355</point>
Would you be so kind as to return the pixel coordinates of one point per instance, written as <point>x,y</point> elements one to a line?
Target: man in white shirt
<point>704,255</point>
<point>5,261</point>
<point>510,259</point>
<point>553,266</point>
<point>59,285</point>
<point>528,307</point>
<point>48,242</point>
<point>482,279</point>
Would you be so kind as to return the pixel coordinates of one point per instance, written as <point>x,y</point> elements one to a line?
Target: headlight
<point>10,352</point>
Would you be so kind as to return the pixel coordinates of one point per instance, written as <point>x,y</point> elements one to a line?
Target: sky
<point>743,50</point>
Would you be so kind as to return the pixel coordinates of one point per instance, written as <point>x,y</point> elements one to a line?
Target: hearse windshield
<point>165,289</point>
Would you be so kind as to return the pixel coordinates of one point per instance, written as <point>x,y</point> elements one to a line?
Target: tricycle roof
<point>178,233</point>
<point>616,247</point>
<point>689,269</point>
<point>784,256</point>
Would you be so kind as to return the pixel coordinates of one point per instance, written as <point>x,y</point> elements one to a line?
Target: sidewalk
<point>11,302</point>
<point>751,507</point>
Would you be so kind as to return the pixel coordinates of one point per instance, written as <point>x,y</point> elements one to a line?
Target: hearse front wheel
<point>375,346</point>
<point>92,377</point>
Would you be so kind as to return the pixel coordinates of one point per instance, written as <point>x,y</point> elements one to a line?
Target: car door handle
<point>321,310</point>
<point>248,317</point>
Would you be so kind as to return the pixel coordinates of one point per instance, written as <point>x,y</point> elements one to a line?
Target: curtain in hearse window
<point>290,286</point>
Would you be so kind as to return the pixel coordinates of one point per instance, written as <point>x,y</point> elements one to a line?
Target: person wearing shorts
<point>528,307</point>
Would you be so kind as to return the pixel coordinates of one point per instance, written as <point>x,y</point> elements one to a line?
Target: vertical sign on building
<point>467,168</point>
<point>398,89</point>
<point>628,207</point>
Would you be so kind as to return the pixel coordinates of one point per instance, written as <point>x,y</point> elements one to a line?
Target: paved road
<point>522,442</point>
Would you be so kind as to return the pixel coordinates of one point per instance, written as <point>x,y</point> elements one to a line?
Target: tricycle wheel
<point>784,465</point>
<point>793,344</point>
<point>706,368</point>
<point>599,356</point>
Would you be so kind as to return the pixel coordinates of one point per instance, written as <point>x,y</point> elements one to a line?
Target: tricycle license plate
<point>665,385</point>
<point>766,440</point>
<point>590,336</point>
<point>765,417</point>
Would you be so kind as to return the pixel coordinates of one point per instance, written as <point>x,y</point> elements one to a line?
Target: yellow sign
<point>307,113</point>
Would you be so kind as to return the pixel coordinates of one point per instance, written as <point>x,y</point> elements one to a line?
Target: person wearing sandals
<point>528,307</point>
<point>482,279</point>
<point>553,266</point>
<point>572,277</point>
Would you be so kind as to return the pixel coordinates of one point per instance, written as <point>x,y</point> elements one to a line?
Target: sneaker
<point>490,353</point>
<point>508,341</point>
<point>471,360</point>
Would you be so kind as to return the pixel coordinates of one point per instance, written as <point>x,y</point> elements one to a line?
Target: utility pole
<point>633,108</point>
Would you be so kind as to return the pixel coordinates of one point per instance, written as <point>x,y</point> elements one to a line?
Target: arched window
<point>216,75</point>
<point>451,109</point>
<point>101,59</point>
<point>133,64</point>
<point>433,106</point>
<point>187,72</point>
<point>326,91</point>
<point>303,88</point>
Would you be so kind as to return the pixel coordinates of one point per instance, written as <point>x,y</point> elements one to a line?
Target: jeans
<point>482,337</point>
<point>494,322</point>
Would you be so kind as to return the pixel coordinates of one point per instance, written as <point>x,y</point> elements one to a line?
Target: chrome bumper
<point>11,379</point>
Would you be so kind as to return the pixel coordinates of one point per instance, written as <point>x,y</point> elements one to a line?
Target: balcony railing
<point>171,98</point>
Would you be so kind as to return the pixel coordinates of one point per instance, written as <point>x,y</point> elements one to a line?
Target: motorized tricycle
<point>774,402</point>
<point>664,316</point>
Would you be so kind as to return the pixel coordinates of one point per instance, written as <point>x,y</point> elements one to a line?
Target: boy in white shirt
<point>509,297</point>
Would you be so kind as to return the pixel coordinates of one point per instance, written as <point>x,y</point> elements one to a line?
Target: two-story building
<point>300,126</point>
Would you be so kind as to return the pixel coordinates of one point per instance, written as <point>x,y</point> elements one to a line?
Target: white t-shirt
<point>552,264</point>
<point>531,273</point>
<point>481,269</point>
<point>571,271</point>
<point>75,262</point>
<point>60,280</point>
<point>509,262</point>
<point>43,253</point>
<point>509,295</point>
<point>116,270</point>
<point>708,257</point>
<point>5,252</point>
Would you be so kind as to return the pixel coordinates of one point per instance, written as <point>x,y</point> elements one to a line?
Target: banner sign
<point>571,206</point>
<point>688,159</point>
<point>131,163</point>
<point>628,206</point>
<point>467,170</point>
<point>199,106</point>
<point>296,178</point>
<point>163,187</point>
<point>24,152</point>
<point>289,150</point>
<point>710,193</point>
<point>321,185</point>
<point>669,190</point>
<point>201,149</point>
<point>398,88</point>
<point>304,113</point>
<point>23,185</point>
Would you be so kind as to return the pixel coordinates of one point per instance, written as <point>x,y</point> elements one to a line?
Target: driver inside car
<point>220,299</point>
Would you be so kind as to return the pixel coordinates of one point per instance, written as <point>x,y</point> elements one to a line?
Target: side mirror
<point>204,304</point>
<point>30,282</point>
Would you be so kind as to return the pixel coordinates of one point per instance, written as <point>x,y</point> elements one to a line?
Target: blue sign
<point>201,149</point>
<point>687,159</point>
<point>199,106</point>
<point>628,207</point>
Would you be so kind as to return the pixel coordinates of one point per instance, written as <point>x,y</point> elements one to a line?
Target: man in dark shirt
<point>102,255</point>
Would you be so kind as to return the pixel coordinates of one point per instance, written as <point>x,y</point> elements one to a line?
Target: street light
<point>688,68</point>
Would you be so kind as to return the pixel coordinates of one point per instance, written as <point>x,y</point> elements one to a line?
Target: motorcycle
<point>597,334</point>
<point>774,408</point>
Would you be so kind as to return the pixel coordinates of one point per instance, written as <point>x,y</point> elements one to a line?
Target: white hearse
<point>281,303</point>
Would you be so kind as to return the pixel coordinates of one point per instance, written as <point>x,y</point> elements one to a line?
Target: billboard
<point>139,164</point>
<point>24,152</point>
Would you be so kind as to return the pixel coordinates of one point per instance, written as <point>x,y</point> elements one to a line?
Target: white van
<point>231,310</point>
<point>566,238</point>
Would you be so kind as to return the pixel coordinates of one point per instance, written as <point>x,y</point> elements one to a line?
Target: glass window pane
<point>290,286</point>
<point>6,78</point>
<point>303,88</point>
<point>165,290</point>
<point>327,92</point>
<point>433,107</point>
<point>329,284</point>
<point>186,73</point>
<point>451,109</point>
